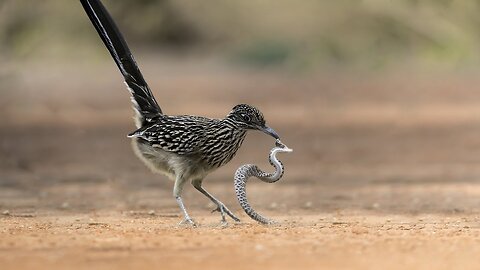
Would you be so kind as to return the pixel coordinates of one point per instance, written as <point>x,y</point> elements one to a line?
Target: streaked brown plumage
<point>185,148</point>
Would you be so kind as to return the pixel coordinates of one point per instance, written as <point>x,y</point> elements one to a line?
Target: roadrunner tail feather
<point>145,105</point>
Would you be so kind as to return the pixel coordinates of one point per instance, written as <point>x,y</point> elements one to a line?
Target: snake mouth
<point>280,144</point>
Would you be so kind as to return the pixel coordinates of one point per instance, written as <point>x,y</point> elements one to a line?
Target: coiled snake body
<point>246,171</point>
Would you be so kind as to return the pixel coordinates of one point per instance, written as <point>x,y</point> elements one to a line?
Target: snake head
<point>281,145</point>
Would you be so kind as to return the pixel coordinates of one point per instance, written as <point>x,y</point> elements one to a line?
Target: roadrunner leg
<point>197,183</point>
<point>177,193</point>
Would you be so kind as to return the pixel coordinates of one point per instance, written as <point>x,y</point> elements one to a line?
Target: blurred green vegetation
<point>299,34</point>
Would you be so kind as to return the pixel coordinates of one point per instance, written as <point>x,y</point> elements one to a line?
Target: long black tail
<point>145,104</point>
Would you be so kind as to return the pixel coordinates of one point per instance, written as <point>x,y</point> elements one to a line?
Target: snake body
<point>248,170</point>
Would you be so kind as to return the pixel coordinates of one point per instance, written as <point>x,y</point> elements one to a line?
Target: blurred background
<point>367,34</point>
<point>378,99</point>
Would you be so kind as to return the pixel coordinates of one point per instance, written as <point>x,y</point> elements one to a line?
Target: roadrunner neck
<point>223,143</point>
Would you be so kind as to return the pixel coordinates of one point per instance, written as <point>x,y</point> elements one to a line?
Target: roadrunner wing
<point>179,134</point>
<point>144,103</point>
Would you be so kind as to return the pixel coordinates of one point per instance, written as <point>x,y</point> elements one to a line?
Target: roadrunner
<point>185,148</point>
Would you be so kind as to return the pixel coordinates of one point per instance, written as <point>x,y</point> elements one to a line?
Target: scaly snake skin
<point>244,172</point>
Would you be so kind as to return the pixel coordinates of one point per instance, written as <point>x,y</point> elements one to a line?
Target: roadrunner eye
<point>246,118</point>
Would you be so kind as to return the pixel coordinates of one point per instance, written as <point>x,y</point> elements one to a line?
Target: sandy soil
<point>385,171</point>
<point>332,241</point>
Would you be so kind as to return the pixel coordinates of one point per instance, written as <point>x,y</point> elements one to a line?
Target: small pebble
<point>6,213</point>
<point>65,205</point>
<point>308,205</point>
<point>259,247</point>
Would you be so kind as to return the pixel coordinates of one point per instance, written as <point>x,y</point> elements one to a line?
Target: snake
<point>246,171</point>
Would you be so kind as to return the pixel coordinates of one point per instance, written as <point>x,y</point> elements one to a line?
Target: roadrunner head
<point>249,117</point>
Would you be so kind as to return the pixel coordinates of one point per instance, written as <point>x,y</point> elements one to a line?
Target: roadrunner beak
<point>270,131</point>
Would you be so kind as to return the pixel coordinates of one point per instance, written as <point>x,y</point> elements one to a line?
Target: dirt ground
<point>385,172</point>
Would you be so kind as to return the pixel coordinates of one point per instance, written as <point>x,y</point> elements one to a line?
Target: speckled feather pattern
<point>185,148</point>
<point>214,141</point>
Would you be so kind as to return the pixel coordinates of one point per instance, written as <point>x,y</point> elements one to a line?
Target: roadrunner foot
<point>188,222</point>
<point>223,209</point>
